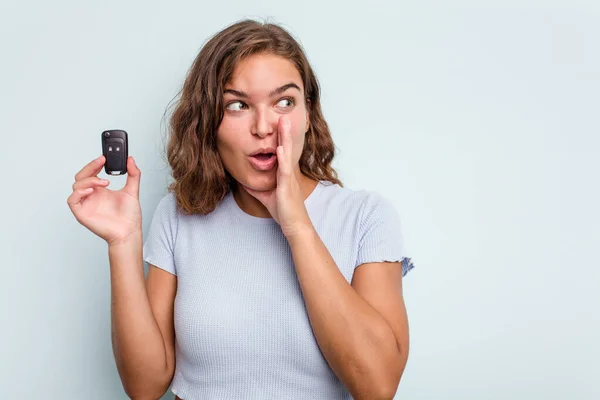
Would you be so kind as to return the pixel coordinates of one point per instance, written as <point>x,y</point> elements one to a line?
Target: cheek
<point>229,135</point>
<point>299,134</point>
<point>226,150</point>
<point>298,144</point>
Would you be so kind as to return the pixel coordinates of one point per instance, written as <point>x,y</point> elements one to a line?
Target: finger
<point>283,168</point>
<point>74,200</point>
<point>132,186</point>
<point>281,127</point>
<point>284,159</point>
<point>92,181</point>
<point>287,141</point>
<point>91,169</point>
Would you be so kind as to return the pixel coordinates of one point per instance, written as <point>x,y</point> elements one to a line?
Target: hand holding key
<point>111,215</point>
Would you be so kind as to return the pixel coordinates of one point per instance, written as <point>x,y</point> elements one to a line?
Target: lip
<point>264,151</point>
<point>261,165</point>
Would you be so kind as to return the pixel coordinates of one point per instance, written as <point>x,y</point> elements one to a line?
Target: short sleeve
<point>380,234</point>
<point>159,245</point>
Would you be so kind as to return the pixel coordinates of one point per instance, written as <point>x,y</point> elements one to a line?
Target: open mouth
<point>264,156</point>
<point>263,161</point>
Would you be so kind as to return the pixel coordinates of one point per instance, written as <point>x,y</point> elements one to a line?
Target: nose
<point>264,123</point>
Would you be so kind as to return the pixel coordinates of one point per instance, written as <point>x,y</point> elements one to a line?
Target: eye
<point>229,106</point>
<point>288,99</point>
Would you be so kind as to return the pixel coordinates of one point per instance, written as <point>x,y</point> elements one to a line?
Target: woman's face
<point>263,88</point>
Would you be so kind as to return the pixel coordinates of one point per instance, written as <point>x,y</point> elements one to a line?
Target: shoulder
<point>169,200</point>
<point>169,211</point>
<point>362,203</point>
<point>166,213</point>
<point>167,205</point>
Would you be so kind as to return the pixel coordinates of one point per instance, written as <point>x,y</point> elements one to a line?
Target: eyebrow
<point>275,92</point>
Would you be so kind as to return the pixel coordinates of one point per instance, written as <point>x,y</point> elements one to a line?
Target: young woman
<point>266,277</point>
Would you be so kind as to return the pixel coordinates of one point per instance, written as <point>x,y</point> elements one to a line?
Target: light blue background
<point>479,119</point>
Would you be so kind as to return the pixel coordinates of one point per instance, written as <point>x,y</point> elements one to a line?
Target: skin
<point>361,327</point>
<point>259,121</point>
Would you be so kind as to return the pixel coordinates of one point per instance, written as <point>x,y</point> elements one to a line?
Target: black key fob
<point>114,148</point>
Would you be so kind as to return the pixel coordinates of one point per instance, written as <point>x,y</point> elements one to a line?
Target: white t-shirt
<point>241,325</point>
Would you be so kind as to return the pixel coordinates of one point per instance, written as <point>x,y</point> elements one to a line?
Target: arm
<point>361,328</point>
<point>142,321</point>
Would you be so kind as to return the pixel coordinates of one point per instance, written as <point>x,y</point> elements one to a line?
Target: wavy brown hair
<point>200,179</point>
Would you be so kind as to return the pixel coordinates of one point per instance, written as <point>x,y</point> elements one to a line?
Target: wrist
<point>133,238</point>
<point>300,231</point>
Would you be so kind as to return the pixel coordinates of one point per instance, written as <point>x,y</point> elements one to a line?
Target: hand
<point>111,215</point>
<point>286,202</point>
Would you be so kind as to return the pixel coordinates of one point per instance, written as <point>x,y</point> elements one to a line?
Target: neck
<point>252,206</point>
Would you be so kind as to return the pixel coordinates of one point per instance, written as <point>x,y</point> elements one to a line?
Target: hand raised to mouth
<point>285,203</point>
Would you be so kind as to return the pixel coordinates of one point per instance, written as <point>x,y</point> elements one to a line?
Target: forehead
<point>261,73</point>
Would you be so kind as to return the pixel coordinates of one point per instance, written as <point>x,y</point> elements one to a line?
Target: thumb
<point>132,186</point>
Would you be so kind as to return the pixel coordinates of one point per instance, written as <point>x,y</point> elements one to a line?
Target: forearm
<point>138,345</point>
<point>357,342</point>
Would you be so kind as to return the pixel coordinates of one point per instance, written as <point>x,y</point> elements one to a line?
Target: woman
<point>266,278</point>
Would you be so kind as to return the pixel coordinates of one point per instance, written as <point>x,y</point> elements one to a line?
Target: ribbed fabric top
<point>241,324</point>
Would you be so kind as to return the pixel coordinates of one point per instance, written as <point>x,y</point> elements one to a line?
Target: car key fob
<point>114,149</point>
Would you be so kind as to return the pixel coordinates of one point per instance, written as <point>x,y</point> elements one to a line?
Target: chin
<point>261,182</point>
